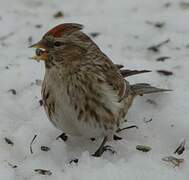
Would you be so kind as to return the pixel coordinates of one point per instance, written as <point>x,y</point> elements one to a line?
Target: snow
<point>124,36</point>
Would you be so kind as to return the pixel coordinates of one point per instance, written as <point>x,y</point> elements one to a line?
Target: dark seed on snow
<point>92,139</point>
<point>38,25</point>
<point>45,148</point>
<point>143,148</point>
<point>163,58</point>
<point>43,172</point>
<point>165,72</point>
<point>41,102</point>
<point>8,141</point>
<point>94,34</point>
<point>13,91</point>
<point>59,14</point>
<point>180,148</point>
<point>74,161</point>
<point>159,24</point>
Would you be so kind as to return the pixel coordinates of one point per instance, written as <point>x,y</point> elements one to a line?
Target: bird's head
<point>56,40</point>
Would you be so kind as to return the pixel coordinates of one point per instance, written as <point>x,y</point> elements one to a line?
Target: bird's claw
<point>100,151</point>
<point>109,148</point>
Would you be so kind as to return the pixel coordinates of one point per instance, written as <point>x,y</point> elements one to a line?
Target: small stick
<point>129,127</point>
<point>147,121</point>
<point>155,48</point>
<point>32,143</point>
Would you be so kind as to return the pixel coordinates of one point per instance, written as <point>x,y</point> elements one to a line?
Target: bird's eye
<point>57,43</point>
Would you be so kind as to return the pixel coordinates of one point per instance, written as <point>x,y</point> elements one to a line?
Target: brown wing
<point>113,76</point>
<point>115,79</point>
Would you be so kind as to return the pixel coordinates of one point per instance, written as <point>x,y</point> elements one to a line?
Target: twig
<point>32,143</point>
<point>147,121</point>
<point>129,127</point>
<point>155,48</point>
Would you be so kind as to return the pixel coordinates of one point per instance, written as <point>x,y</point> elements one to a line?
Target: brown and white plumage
<point>84,92</point>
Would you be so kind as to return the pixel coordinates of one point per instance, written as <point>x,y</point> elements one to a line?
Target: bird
<point>83,92</point>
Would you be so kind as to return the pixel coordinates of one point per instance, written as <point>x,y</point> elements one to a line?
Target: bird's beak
<point>38,45</point>
<point>41,52</point>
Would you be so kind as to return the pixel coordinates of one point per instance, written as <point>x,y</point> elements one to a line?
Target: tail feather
<point>126,72</point>
<point>143,88</point>
<point>119,66</point>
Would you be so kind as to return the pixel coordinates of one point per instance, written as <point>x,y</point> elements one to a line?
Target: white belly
<point>66,119</point>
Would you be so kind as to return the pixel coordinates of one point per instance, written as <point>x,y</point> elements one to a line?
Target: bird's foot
<point>101,150</point>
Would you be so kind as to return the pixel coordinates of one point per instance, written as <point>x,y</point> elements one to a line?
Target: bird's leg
<point>63,136</point>
<point>103,148</point>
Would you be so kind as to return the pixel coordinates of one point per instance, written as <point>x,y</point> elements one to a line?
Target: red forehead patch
<point>56,31</point>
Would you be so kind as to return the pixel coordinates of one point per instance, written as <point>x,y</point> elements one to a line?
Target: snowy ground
<point>126,29</point>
